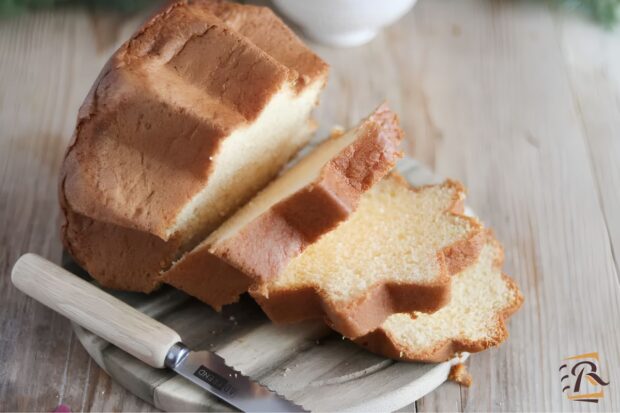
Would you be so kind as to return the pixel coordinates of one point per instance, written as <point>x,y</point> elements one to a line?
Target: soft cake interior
<point>247,159</point>
<point>395,234</point>
<point>479,294</point>
<point>297,177</point>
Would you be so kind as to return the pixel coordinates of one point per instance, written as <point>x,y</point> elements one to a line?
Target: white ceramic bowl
<point>343,23</point>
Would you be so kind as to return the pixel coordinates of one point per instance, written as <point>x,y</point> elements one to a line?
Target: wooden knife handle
<point>92,308</point>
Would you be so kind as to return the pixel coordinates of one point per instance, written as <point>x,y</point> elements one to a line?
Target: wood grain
<point>49,60</point>
<point>88,306</point>
<point>306,362</point>
<point>592,64</point>
<point>518,100</point>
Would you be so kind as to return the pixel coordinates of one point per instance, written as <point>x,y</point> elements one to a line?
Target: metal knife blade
<point>210,371</point>
<point>140,335</point>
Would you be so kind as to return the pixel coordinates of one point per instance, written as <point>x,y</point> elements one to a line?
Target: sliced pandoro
<point>474,319</point>
<point>395,254</point>
<point>293,212</point>
<point>192,116</point>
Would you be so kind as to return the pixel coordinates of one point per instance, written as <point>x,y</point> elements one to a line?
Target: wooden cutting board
<point>307,363</point>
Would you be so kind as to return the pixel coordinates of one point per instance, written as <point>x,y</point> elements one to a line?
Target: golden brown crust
<point>381,341</point>
<point>355,318</point>
<point>103,252</point>
<point>364,314</point>
<point>462,253</point>
<point>265,246</point>
<point>269,242</point>
<point>119,170</point>
<point>117,257</point>
<point>200,275</point>
<point>133,161</point>
<point>268,32</point>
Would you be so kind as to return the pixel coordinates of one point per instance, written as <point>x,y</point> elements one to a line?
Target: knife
<point>140,335</point>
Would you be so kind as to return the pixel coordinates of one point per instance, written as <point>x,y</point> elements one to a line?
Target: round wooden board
<point>307,363</point>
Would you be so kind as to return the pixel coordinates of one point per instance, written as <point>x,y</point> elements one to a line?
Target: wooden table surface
<point>519,101</point>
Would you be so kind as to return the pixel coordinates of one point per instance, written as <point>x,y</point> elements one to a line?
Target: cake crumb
<point>460,375</point>
<point>336,132</point>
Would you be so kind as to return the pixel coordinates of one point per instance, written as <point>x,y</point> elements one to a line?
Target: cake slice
<point>307,201</point>
<point>474,320</point>
<point>192,116</point>
<point>394,254</point>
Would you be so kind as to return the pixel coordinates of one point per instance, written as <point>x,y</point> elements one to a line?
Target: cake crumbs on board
<point>460,375</point>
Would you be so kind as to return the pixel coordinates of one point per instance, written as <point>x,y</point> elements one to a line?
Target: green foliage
<point>606,12</point>
<point>13,7</point>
